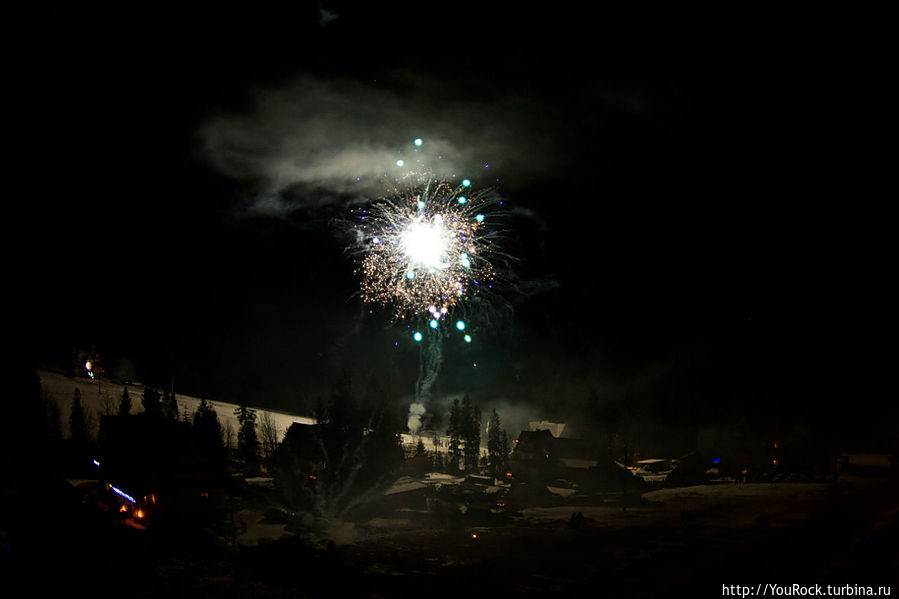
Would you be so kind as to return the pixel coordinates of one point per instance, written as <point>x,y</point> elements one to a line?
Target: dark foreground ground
<point>676,542</point>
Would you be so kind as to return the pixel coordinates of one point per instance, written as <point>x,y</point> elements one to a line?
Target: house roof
<point>542,441</point>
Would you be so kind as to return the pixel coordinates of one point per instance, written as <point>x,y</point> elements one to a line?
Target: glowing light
<point>460,324</point>
<point>467,338</point>
<point>139,514</point>
<point>426,249</point>
<point>418,141</point>
<point>466,183</point>
<point>479,218</point>
<point>96,463</point>
<point>433,324</point>
<point>401,163</point>
<point>462,199</point>
<point>417,336</point>
<point>122,494</point>
<point>425,244</point>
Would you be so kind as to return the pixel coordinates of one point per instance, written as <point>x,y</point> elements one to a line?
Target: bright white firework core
<point>431,252</point>
<point>425,244</point>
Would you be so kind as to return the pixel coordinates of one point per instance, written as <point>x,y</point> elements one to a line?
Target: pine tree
<point>207,425</point>
<point>170,407</point>
<point>497,446</point>
<point>125,403</point>
<point>471,433</point>
<point>455,437</point>
<point>151,401</point>
<point>505,449</point>
<point>54,424</point>
<point>473,441</point>
<point>247,441</point>
<point>419,448</point>
<point>77,422</point>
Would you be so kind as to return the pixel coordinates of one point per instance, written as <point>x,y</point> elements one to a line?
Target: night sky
<point>687,201</point>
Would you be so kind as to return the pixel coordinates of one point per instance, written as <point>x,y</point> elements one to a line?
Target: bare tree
<point>108,405</point>
<point>268,430</point>
<point>229,435</point>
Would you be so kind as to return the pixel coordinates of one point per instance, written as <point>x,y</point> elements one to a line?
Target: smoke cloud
<point>311,141</point>
<point>416,411</point>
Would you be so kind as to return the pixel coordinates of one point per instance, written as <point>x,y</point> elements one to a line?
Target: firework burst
<point>425,248</point>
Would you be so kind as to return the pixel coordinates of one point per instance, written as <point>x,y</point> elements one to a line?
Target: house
<point>538,455</point>
<point>763,451</point>
<point>540,458</point>
<point>301,451</point>
<point>153,469</point>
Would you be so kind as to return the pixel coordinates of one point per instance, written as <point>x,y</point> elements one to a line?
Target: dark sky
<point>683,193</point>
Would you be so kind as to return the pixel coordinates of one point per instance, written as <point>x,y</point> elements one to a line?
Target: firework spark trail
<point>426,248</point>
<point>425,251</point>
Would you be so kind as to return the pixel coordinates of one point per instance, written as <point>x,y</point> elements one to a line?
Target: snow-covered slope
<point>103,397</point>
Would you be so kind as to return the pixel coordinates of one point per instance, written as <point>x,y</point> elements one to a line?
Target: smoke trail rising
<point>430,361</point>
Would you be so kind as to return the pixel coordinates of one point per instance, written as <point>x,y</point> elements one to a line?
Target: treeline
<point>356,441</point>
<point>464,448</point>
<point>253,442</point>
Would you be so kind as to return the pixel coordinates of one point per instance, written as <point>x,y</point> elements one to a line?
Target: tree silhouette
<point>438,462</point>
<point>247,440</point>
<point>78,435</point>
<point>419,448</point>
<point>455,432</point>
<point>54,423</point>
<point>207,424</point>
<point>125,403</point>
<point>77,422</point>
<point>471,433</point>
<point>170,407</point>
<point>151,401</point>
<point>268,430</point>
<point>359,443</point>
<point>497,446</point>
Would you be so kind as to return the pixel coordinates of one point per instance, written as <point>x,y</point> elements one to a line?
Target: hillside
<point>103,397</point>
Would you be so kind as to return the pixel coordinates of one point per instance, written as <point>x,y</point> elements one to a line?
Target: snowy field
<point>100,398</point>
